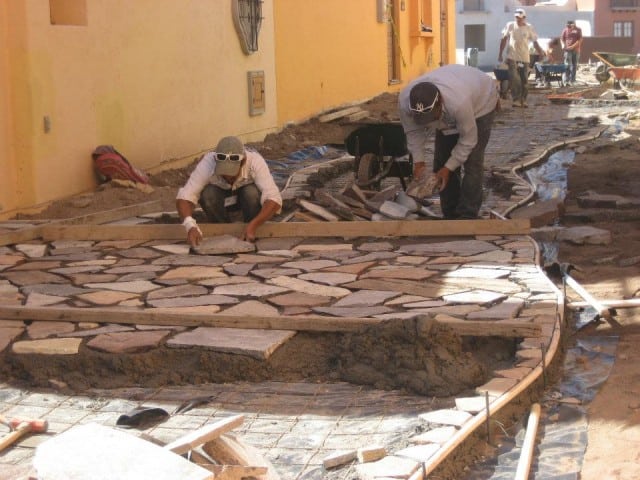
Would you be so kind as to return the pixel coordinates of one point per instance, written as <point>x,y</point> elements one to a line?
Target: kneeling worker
<point>229,177</point>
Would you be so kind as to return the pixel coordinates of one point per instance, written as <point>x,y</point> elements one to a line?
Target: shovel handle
<point>14,436</point>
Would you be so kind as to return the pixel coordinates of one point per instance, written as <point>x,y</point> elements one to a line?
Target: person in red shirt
<point>571,40</point>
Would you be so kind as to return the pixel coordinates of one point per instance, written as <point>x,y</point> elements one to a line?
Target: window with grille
<point>247,17</point>
<point>623,29</point>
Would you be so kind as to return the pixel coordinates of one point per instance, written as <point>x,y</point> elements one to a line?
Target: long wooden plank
<point>22,235</point>
<point>31,233</point>
<point>328,117</point>
<point>391,228</point>
<point>311,323</point>
<point>155,317</point>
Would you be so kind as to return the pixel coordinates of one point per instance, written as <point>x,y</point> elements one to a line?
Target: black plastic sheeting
<point>562,432</point>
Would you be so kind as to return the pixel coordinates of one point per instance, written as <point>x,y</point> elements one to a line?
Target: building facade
<point>619,19</point>
<point>163,80</point>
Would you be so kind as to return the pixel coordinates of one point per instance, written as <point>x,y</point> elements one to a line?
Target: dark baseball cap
<point>423,98</point>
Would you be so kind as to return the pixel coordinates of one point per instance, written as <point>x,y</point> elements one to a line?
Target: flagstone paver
<point>509,308</point>
<point>49,346</point>
<point>309,287</point>
<point>458,247</point>
<point>437,435</point>
<point>299,299</point>
<point>310,265</point>
<point>419,453</point>
<point>223,244</point>
<point>329,278</point>
<point>32,250</point>
<point>192,273</point>
<point>252,308</point>
<point>97,330</point>
<point>178,291</point>
<point>481,297</point>
<point>259,344</point>
<point>8,334</point>
<point>139,286</point>
<point>127,342</point>
<point>388,467</point>
<point>364,298</point>
<point>408,273</point>
<point>211,299</point>
<point>249,289</point>
<point>39,330</point>
<point>44,265</point>
<point>275,272</point>
<point>36,299</point>
<point>34,277</point>
<point>106,297</point>
<point>455,418</point>
<point>181,249</point>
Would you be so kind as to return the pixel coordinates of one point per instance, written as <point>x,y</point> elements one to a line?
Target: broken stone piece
<point>223,244</point>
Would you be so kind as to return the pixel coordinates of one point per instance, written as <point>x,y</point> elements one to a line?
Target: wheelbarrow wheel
<point>602,73</point>
<point>368,168</point>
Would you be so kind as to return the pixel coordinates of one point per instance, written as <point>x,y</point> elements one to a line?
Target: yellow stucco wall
<point>158,79</point>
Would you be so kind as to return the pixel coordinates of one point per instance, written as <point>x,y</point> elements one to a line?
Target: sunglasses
<point>421,108</point>
<point>234,157</point>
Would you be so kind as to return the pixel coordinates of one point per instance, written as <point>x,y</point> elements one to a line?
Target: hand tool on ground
<point>563,269</point>
<point>20,427</point>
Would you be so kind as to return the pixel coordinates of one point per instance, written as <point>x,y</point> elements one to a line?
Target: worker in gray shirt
<point>459,102</point>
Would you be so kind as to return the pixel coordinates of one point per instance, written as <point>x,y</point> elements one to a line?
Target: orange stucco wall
<point>334,52</point>
<point>158,79</point>
<point>8,166</point>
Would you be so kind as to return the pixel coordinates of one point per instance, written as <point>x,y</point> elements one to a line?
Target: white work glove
<point>189,223</point>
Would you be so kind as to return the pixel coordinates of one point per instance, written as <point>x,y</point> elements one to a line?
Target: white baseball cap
<point>519,12</point>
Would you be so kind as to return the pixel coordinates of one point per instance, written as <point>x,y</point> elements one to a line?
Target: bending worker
<point>229,178</point>
<point>459,102</point>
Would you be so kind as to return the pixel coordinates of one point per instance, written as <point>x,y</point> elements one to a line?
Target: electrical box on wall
<point>256,92</point>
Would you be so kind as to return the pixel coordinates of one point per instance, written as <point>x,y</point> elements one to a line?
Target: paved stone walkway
<point>295,425</point>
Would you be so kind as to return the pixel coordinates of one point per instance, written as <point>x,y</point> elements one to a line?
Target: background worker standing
<point>571,40</point>
<point>516,36</point>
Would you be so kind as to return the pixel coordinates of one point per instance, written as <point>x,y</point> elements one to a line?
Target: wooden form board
<point>311,323</point>
<point>391,228</point>
<point>30,233</point>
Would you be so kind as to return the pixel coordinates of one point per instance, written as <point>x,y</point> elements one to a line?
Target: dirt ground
<point>613,450</point>
<point>607,167</point>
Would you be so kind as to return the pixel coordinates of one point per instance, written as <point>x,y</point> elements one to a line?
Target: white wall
<point>548,20</point>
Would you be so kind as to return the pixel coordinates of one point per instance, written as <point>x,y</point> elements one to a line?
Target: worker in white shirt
<point>459,102</point>
<point>516,37</point>
<point>230,177</point>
